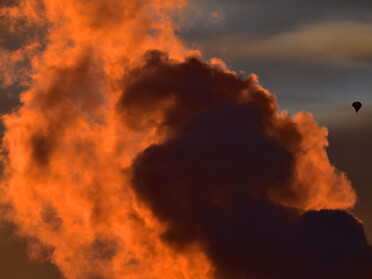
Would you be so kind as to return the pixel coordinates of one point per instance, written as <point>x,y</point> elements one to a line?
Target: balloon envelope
<point>357,106</point>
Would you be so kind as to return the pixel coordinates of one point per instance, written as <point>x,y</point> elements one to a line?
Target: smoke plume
<point>131,157</point>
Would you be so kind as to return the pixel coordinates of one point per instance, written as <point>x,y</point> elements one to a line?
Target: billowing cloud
<point>236,177</point>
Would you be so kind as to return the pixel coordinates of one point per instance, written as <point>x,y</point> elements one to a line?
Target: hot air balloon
<point>357,106</point>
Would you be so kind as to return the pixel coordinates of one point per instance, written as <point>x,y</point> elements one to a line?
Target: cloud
<point>238,179</point>
<point>344,43</point>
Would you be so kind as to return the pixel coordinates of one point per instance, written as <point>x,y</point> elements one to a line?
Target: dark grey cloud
<point>208,180</point>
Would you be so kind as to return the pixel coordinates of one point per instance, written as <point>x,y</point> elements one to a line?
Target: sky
<point>314,56</point>
<point>302,51</point>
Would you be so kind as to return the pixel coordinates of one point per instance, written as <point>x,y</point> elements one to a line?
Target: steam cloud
<point>130,157</point>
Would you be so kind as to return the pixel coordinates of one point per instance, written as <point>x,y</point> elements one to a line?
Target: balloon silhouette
<point>357,106</point>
